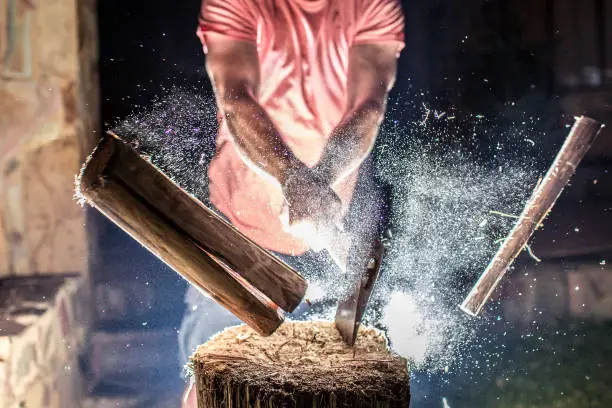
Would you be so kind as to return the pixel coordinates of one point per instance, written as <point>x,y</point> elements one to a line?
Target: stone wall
<point>43,334</point>
<point>48,122</point>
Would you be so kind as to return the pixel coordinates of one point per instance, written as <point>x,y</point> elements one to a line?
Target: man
<point>301,88</point>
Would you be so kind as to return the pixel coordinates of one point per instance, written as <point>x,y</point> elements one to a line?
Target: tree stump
<point>303,364</point>
<point>189,237</point>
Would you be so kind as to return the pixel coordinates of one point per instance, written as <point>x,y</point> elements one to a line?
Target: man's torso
<point>303,50</point>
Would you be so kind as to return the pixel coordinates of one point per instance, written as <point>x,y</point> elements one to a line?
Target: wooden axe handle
<point>578,142</point>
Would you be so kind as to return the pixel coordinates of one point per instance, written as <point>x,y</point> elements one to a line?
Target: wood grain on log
<point>102,185</point>
<point>268,274</point>
<point>303,364</point>
<point>578,142</point>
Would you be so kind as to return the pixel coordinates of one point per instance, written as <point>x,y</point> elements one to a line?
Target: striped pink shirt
<point>303,48</point>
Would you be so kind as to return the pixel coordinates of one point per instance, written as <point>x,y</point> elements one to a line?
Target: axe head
<point>350,309</point>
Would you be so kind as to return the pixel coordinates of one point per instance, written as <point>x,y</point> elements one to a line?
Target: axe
<point>359,256</point>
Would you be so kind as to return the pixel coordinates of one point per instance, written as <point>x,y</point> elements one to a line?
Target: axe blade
<point>350,310</point>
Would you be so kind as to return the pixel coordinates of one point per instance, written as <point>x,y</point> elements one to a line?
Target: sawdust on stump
<point>303,364</point>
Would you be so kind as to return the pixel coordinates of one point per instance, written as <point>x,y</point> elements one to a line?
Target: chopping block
<point>193,240</point>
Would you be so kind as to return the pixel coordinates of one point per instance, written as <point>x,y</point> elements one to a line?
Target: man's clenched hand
<point>312,208</point>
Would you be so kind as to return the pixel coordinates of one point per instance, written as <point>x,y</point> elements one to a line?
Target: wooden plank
<point>578,142</point>
<point>268,274</point>
<point>178,250</point>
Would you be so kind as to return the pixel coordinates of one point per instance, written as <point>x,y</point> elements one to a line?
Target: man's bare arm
<point>233,68</point>
<point>372,69</point>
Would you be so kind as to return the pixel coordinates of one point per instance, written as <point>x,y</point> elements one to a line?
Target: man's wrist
<point>298,172</point>
<point>293,167</point>
<point>324,173</point>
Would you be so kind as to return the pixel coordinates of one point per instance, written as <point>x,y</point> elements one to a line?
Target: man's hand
<point>312,207</point>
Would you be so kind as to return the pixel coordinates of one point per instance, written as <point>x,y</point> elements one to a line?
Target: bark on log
<point>303,364</point>
<point>581,137</point>
<point>189,237</point>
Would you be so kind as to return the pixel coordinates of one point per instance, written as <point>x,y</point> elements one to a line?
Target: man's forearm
<point>257,139</point>
<point>351,142</point>
<point>371,73</point>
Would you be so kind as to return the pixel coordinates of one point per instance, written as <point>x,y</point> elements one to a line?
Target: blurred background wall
<point>49,121</point>
<point>50,118</point>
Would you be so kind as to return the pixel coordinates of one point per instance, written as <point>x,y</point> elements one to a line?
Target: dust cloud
<point>449,177</point>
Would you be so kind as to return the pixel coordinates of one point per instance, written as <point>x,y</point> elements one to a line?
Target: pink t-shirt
<point>303,48</point>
